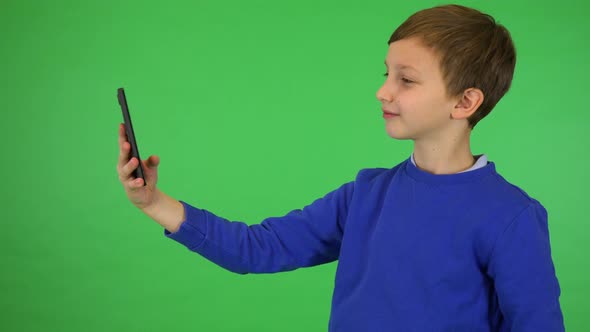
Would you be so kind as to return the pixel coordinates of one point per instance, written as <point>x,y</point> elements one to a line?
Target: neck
<point>448,155</point>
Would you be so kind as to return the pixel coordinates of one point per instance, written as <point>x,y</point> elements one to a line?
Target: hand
<point>141,196</point>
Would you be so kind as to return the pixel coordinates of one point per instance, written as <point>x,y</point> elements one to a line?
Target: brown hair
<point>474,51</point>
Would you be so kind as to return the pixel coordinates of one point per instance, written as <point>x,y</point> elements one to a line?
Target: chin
<point>397,133</point>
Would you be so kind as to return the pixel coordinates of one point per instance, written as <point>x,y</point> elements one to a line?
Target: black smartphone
<point>138,172</point>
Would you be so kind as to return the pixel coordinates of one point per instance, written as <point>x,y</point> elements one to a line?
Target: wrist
<point>166,211</point>
<point>153,205</point>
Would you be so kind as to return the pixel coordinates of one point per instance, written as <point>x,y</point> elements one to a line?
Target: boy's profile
<point>439,242</point>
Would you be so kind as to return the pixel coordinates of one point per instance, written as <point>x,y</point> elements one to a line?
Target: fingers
<point>123,154</point>
<point>122,139</point>
<point>122,135</point>
<point>134,183</point>
<point>126,170</point>
<point>125,165</point>
<point>123,146</point>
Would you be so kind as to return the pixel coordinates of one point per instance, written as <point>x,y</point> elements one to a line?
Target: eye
<point>405,80</point>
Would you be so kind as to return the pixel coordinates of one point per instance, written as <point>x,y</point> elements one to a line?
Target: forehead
<point>411,53</point>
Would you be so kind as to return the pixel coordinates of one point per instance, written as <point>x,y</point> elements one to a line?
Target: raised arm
<point>301,238</point>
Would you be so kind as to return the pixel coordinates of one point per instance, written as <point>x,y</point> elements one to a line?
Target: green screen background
<point>255,108</point>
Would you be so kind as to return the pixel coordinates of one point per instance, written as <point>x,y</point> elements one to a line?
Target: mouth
<point>389,115</point>
<point>386,112</point>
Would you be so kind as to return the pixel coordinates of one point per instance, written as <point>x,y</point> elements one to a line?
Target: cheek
<point>411,102</point>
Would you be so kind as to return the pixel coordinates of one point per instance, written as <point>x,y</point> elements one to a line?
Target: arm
<point>301,238</point>
<point>166,211</point>
<point>524,275</point>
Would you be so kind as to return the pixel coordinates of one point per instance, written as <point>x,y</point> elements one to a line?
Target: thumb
<point>153,161</point>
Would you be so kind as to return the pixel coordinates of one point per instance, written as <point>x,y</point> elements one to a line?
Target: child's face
<point>418,95</point>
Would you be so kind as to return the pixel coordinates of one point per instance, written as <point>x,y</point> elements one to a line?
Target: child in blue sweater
<point>439,242</point>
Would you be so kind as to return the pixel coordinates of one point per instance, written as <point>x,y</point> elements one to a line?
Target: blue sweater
<point>416,251</point>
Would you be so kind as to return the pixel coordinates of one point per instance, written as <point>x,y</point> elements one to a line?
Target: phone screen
<point>138,172</point>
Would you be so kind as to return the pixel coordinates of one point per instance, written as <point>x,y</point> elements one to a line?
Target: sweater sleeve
<point>301,238</point>
<point>524,275</point>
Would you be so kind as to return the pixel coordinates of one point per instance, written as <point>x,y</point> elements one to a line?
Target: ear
<point>470,101</point>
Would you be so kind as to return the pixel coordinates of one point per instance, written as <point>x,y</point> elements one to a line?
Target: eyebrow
<point>402,66</point>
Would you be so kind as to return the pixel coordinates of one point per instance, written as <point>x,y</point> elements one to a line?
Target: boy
<point>441,241</point>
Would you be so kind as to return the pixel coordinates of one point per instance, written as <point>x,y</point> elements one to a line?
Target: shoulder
<point>503,205</point>
<point>377,174</point>
<point>507,192</point>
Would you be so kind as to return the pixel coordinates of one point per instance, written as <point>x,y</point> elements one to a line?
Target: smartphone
<point>138,172</point>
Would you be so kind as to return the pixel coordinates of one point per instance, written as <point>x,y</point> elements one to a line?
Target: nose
<point>385,93</point>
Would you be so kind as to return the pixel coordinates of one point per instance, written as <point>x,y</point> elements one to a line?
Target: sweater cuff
<point>193,230</point>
